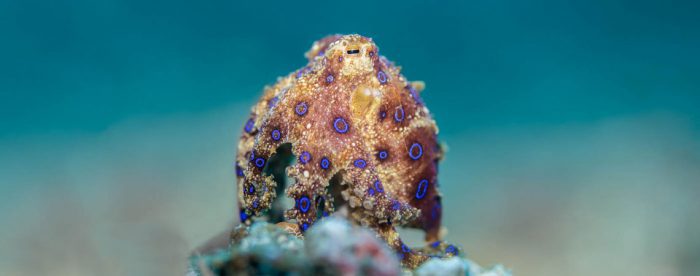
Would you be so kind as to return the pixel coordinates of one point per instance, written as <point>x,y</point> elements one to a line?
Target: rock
<point>333,246</point>
<point>458,266</point>
<point>347,250</point>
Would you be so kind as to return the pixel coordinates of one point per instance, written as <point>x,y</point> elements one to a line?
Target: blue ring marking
<point>272,102</point>
<point>383,154</point>
<point>422,188</point>
<point>304,226</point>
<point>413,147</point>
<point>370,192</point>
<point>381,76</point>
<point>243,215</point>
<point>260,162</point>
<point>434,211</point>
<point>330,78</point>
<point>304,204</point>
<point>256,203</point>
<point>301,108</point>
<point>382,115</point>
<point>251,189</point>
<point>414,95</point>
<point>325,214</point>
<point>305,157</point>
<point>340,125</point>
<point>360,163</point>
<point>239,171</point>
<point>396,205</point>
<point>405,248</point>
<point>251,156</point>
<point>325,163</point>
<point>276,134</point>
<point>399,114</point>
<point>451,249</point>
<point>378,186</point>
<point>249,125</point>
<point>435,244</point>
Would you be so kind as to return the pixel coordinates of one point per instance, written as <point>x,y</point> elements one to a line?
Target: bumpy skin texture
<point>349,116</point>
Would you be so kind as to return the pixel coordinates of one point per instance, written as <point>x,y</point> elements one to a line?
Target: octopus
<point>346,132</point>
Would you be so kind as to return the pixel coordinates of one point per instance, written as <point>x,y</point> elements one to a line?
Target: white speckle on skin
<point>308,125</point>
<point>306,173</point>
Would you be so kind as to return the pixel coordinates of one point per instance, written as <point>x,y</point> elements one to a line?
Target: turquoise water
<point>573,128</point>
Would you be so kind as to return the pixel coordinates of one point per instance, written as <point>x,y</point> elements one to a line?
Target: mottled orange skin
<point>356,104</point>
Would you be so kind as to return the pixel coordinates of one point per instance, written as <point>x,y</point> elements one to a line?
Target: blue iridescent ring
<point>383,154</point>
<point>381,76</point>
<point>422,188</point>
<point>340,125</point>
<point>301,108</point>
<point>415,147</point>
<point>360,163</point>
<point>260,162</point>
<point>325,163</point>
<point>304,204</point>
<point>399,114</point>
<point>251,189</point>
<point>378,186</point>
<point>305,157</point>
<point>249,125</point>
<point>276,134</point>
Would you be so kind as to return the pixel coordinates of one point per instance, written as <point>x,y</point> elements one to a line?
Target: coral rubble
<point>331,247</point>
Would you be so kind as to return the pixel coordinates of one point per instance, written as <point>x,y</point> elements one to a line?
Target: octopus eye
<point>353,51</point>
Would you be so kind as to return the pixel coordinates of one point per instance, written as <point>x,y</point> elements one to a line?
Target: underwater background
<point>573,127</point>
